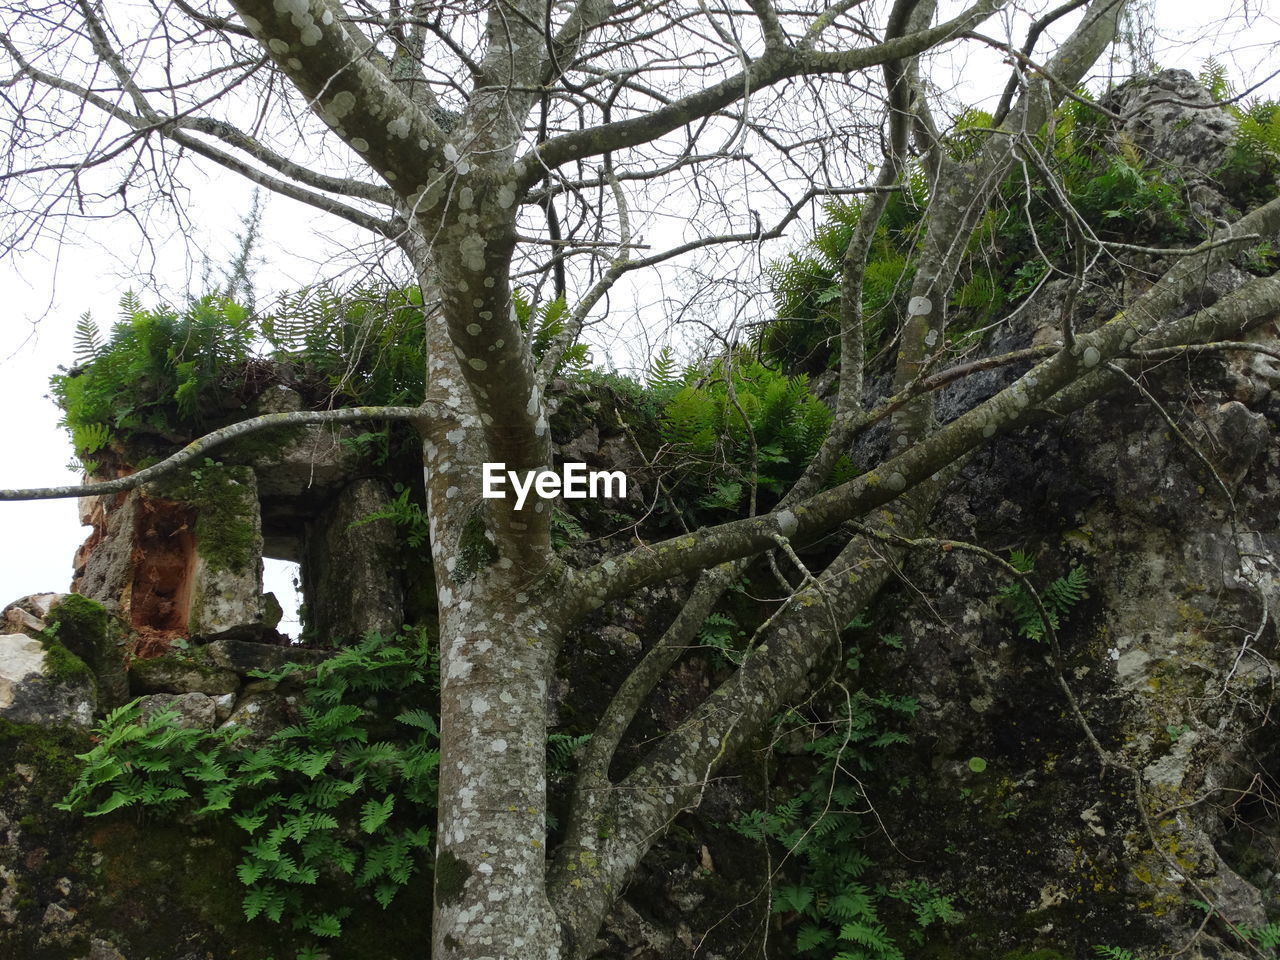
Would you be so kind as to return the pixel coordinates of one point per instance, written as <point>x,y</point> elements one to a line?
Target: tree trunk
<point>496,649</point>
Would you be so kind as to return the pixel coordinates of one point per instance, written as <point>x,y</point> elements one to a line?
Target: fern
<point>169,371</point>
<point>722,634</point>
<point>543,326</point>
<point>1113,953</point>
<point>739,427</point>
<point>1057,598</point>
<point>1213,77</point>
<point>565,530</point>
<point>292,796</point>
<point>88,340</point>
<point>1266,938</point>
<point>663,374</point>
<point>406,513</point>
<point>374,813</point>
<point>561,748</point>
<point>821,830</point>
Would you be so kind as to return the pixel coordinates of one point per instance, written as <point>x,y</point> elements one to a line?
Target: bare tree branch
<point>198,448</point>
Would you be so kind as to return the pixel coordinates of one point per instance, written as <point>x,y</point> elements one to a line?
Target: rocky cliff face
<point>1111,782</point>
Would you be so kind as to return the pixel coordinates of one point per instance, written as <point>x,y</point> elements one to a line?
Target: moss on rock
<point>85,637</point>
<point>227,535</point>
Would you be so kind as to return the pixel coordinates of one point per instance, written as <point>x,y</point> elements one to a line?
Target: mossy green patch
<point>79,622</point>
<point>263,446</point>
<point>475,547</point>
<point>82,636</point>
<point>50,750</point>
<point>451,876</point>
<point>63,666</point>
<point>227,536</point>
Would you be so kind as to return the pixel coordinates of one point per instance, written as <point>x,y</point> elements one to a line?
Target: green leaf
<point>422,719</point>
<point>793,898</point>
<point>249,822</point>
<point>812,936</point>
<point>117,800</point>
<point>325,925</point>
<point>374,813</point>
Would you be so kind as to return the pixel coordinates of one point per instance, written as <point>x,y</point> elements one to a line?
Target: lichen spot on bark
<point>399,127</point>
<point>1090,357</point>
<point>919,306</point>
<point>896,482</point>
<point>788,524</point>
<point>472,250</point>
<point>452,874</point>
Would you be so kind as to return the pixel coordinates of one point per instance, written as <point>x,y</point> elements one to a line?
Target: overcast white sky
<point>45,292</point>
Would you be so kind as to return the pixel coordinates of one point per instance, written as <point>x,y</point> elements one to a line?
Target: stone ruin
<point>295,501</point>
<point>177,566</point>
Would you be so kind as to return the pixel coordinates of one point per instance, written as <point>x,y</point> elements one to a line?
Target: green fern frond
<point>1214,78</point>
<point>1113,953</point>
<point>88,339</point>
<point>663,373</point>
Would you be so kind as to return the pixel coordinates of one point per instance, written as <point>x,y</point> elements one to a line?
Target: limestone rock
<point>1168,118</point>
<point>196,711</point>
<point>18,620</point>
<point>312,463</point>
<point>223,705</point>
<point>1238,437</point>
<point>226,585</point>
<point>181,675</point>
<point>105,562</point>
<point>351,584</point>
<point>103,950</point>
<point>262,709</point>
<point>85,628</point>
<point>43,683</point>
<point>28,615</point>
<point>243,657</point>
<point>56,916</point>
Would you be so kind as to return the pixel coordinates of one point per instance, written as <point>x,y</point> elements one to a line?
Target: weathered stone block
<point>352,587</point>
<point>226,585</point>
<point>262,709</point>
<point>242,657</point>
<point>196,711</point>
<point>181,675</point>
<point>93,635</point>
<point>41,682</point>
